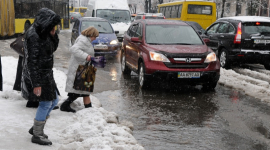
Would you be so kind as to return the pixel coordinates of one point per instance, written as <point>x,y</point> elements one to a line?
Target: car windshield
<point>101,26</point>
<point>114,15</point>
<point>256,27</point>
<point>171,34</point>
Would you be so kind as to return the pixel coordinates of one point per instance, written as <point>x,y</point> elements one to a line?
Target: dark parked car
<point>168,49</point>
<point>106,42</point>
<point>196,26</point>
<point>74,16</point>
<point>240,39</point>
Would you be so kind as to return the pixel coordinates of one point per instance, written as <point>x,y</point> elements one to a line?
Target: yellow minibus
<point>202,12</point>
<point>17,16</point>
<point>81,10</point>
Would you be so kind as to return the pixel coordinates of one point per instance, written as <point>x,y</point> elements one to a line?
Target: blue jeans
<point>45,107</point>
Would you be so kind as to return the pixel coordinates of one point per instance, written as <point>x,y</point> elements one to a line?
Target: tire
<point>267,65</point>
<point>223,58</point>
<point>27,25</point>
<point>124,67</point>
<point>210,86</point>
<point>143,81</point>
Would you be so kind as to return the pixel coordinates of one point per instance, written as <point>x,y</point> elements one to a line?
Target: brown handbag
<point>85,77</point>
<point>17,45</point>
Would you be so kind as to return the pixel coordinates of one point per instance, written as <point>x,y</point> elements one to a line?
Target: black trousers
<point>1,78</point>
<point>17,84</point>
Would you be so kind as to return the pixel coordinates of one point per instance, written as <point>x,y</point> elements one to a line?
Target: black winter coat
<point>39,47</point>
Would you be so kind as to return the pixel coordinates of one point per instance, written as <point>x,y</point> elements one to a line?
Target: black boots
<point>38,134</point>
<point>66,106</point>
<point>88,105</point>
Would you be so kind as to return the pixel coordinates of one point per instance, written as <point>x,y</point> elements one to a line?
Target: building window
<point>228,7</point>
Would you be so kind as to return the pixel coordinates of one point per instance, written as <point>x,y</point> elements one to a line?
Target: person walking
<point>37,77</point>
<point>81,51</point>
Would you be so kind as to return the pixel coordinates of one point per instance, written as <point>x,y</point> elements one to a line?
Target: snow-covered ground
<point>92,128</point>
<point>253,83</point>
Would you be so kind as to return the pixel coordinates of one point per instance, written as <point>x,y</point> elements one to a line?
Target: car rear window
<point>76,15</point>
<point>153,17</point>
<point>256,27</point>
<point>172,35</point>
<point>101,26</point>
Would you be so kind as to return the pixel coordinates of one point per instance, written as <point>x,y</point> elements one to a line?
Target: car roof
<point>151,14</point>
<point>93,19</point>
<point>160,21</point>
<point>246,18</point>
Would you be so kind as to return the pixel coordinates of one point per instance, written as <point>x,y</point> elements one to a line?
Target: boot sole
<point>41,143</point>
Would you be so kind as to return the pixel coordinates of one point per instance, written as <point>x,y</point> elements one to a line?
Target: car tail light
<point>257,23</point>
<point>143,17</point>
<point>238,36</point>
<point>164,17</point>
<point>71,17</point>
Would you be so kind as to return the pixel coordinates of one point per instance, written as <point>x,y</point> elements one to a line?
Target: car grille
<point>186,60</point>
<point>186,65</point>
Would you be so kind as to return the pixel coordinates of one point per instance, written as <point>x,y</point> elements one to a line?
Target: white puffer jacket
<point>79,52</point>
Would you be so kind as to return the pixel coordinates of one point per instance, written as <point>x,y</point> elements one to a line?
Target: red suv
<point>168,49</point>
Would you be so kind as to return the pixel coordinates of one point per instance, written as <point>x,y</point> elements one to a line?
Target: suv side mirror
<point>136,40</point>
<point>116,32</point>
<point>200,32</point>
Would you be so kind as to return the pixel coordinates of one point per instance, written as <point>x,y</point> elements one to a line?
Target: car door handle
<point>221,36</point>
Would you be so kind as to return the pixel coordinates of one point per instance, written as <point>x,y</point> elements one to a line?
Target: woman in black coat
<point>38,82</point>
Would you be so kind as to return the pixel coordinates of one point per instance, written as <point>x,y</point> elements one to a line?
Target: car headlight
<point>158,57</point>
<point>114,42</point>
<point>211,57</point>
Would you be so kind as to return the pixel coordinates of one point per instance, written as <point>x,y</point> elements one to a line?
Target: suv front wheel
<point>223,58</point>
<point>143,81</point>
<point>124,67</point>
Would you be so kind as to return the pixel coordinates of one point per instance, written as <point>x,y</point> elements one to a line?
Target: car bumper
<point>109,50</point>
<point>205,77</point>
<point>249,56</point>
<point>209,73</point>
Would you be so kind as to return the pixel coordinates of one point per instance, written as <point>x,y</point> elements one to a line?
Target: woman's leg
<point>87,101</point>
<point>66,105</point>
<point>42,110</point>
<point>54,103</point>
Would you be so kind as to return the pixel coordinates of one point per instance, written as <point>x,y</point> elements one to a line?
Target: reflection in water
<point>168,114</point>
<point>234,96</point>
<point>113,74</point>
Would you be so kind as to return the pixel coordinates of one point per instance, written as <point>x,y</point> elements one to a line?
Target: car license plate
<point>100,47</point>
<point>189,74</point>
<point>261,41</point>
